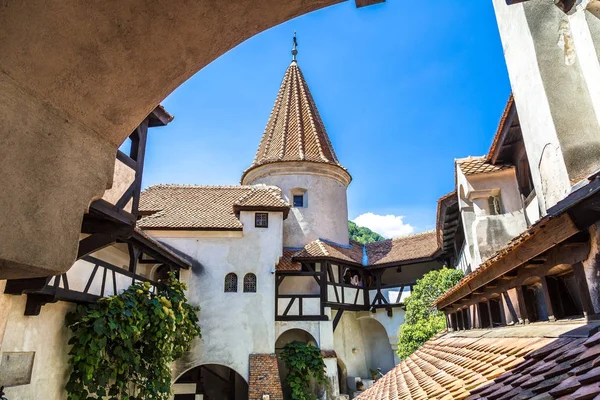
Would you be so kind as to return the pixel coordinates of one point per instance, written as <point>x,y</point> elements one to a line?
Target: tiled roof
<point>496,141</point>
<point>413,247</point>
<point>321,248</point>
<point>479,165</point>
<point>204,207</point>
<point>496,366</point>
<point>404,249</point>
<point>295,131</point>
<point>286,263</point>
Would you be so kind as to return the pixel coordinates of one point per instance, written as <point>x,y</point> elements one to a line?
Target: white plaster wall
<point>325,214</point>
<point>123,177</point>
<point>234,325</point>
<point>47,336</point>
<point>348,336</point>
<point>392,326</point>
<point>322,331</point>
<point>483,232</point>
<point>535,115</point>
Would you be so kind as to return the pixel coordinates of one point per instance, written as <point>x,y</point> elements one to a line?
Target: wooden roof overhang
<point>395,264</point>
<point>334,260</point>
<point>284,210</point>
<point>574,214</point>
<point>448,222</point>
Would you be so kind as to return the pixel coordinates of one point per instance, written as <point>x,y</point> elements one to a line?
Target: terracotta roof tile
<point>413,247</point>
<point>353,253</point>
<point>204,207</point>
<point>454,367</point>
<point>295,131</point>
<point>479,165</point>
<point>285,262</point>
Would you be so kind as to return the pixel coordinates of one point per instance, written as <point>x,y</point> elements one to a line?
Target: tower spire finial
<point>295,48</point>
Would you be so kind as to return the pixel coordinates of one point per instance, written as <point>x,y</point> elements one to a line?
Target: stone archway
<point>378,349</point>
<point>90,74</point>
<point>210,382</point>
<point>286,337</point>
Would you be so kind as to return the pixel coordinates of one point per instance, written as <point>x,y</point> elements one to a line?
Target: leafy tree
<point>303,361</point>
<point>363,235</point>
<point>122,346</point>
<point>422,320</point>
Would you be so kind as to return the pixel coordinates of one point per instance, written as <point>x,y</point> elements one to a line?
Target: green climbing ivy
<point>122,345</point>
<point>303,361</point>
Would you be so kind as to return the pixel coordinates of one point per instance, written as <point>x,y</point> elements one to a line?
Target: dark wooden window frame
<point>261,220</point>
<point>231,283</point>
<point>250,283</point>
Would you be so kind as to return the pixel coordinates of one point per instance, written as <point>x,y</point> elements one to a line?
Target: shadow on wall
<point>378,350</point>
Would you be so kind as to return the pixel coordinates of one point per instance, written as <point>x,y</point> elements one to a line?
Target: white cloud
<point>390,226</point>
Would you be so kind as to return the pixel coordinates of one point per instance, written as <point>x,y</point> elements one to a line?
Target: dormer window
<point>261,220</point>
<point>298,200</point>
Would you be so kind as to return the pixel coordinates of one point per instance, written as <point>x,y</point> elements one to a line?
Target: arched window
<point>250,283</point>
<point>231,282</point>
<point>162,273</point>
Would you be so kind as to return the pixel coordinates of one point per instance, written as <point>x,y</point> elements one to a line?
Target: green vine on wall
<point>122,346</point>
<point>303,362</point>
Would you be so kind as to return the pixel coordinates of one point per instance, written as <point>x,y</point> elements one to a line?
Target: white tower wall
<point>325,211</point>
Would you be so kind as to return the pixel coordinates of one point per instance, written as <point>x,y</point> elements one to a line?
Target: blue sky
<point>403,90</point>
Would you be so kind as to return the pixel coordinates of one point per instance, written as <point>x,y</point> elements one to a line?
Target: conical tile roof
<point>295,131</point>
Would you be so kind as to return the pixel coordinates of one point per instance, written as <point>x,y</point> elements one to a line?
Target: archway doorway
<point>284,339</point>
<point>378,350</point>
<point>210,382</point>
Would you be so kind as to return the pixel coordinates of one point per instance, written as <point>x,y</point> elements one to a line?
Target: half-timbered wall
<point>45,334</point>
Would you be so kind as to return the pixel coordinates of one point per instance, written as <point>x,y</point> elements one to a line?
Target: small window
<point>250,283</point>
<point>261,220</point>
<point>231,283</point>
<point>162,273</point>
<point>298,200</point>
<point>494,205</point>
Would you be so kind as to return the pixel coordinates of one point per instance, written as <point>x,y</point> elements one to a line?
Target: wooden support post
<point>523,317</point>
<point>323,286</point>
<point>93,243</point>
<point>365,290</point>
<point>489,307</point>
<point>137,153</point>
<point>502,313</point>
<point>548,299</point>
<point>337,318</point>
<point>584,291</point>
<point>278,281</point>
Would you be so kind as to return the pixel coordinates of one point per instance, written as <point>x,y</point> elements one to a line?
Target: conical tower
<point>296,154</point>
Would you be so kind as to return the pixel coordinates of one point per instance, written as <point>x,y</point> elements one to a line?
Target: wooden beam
<point>337,318</point>
<point>94,243</point>
<point>548,299</point>
<point>554,231</point>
